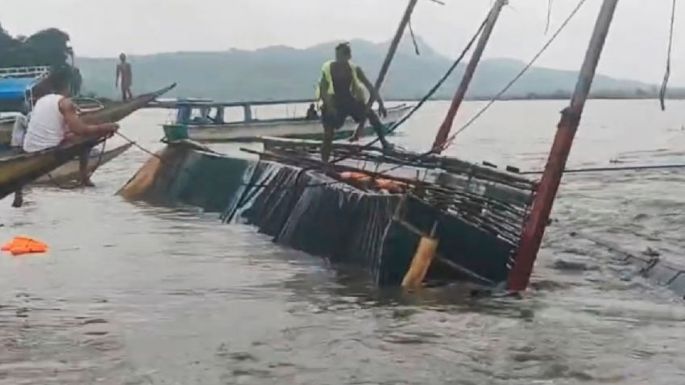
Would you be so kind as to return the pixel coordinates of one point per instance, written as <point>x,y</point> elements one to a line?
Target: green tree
<point>49,47</point>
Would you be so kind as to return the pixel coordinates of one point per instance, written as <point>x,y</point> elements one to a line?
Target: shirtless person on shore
<point>124,73</point>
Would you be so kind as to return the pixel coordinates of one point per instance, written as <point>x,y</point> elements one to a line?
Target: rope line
<point>614,169</point>
<point>135,144</point>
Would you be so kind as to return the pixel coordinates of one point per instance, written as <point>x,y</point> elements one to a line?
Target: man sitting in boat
<point>54,121</point>
<point>341,89</point>
<point>311,112</point>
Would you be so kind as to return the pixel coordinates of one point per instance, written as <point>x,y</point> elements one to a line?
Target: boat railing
<point>22,72</point>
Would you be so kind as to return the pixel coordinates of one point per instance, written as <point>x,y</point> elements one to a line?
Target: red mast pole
<point>446,126</point>
<point>534,229</point>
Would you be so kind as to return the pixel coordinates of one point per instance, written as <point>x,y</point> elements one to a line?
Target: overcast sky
<point>636,47</point>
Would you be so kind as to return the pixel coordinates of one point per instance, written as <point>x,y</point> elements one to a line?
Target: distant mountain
<point>281,72</point>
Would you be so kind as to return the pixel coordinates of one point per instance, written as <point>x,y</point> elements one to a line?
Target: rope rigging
<point>518,76</point>
<point>423,100</point>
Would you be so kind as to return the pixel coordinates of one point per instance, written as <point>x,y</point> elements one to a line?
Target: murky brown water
<point>131,294</point>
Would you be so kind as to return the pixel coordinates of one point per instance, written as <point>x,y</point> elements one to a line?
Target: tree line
<point>49,47</point>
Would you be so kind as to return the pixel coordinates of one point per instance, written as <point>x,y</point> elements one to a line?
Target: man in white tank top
<point>55,121</point>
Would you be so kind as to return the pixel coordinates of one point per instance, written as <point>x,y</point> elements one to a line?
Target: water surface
<point>133,294</point>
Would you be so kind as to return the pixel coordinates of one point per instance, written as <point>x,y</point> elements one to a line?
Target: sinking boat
<point>408,218</point>
<point>204,121</point>
<point>476,212</point>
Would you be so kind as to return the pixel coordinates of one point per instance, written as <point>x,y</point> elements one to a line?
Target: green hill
<point>281,72</point>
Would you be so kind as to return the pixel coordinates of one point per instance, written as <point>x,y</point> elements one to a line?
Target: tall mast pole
<point>406,18</point>
<point>534,229</point>
<point>446,126</point>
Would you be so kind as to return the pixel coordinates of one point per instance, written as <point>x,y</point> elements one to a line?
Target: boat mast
<point>406,18</point>
<point>446,126</point>
<point>536,223</point>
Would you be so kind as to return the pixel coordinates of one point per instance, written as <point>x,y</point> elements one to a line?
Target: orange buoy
<point>24,245</point>
<point>354,176</point>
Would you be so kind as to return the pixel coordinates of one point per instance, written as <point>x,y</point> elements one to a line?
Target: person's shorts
<point>352,108</point>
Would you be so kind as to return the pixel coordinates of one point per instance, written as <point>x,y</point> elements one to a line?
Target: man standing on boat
<point>125,74</point>
<point>341,89</point>
<point>54,121</point>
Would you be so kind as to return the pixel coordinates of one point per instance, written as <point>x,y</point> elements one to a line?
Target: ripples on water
<point>131,294</point>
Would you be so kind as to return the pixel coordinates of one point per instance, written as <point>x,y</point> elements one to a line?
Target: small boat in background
<point>204,121</point>
<point>17,86</point>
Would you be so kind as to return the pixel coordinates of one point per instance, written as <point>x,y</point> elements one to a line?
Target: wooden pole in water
<point>406,18</point>
<point>446,126</point>
<point>534,229</point>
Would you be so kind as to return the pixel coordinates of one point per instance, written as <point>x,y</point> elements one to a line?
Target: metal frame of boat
<point>250,128</point>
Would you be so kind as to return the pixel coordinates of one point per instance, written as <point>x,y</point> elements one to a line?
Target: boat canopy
<point>16,86</point>
<point>208,103</point>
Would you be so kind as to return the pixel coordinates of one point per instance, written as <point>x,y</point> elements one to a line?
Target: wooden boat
<point>18,170</point>
<point>70,171</point>
<point>194,117</point>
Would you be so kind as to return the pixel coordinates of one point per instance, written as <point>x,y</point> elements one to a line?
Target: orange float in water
<point>24,245</point>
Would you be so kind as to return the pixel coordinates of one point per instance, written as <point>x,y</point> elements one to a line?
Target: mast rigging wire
<point>518,76</point>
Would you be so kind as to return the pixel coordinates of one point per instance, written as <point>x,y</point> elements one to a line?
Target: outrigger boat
<point>205,121</point>
<point>18,170</point>
<point>408,218</point>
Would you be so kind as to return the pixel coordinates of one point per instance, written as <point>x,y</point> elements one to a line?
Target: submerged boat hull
<point>284,128</point>
<point>378,231</point>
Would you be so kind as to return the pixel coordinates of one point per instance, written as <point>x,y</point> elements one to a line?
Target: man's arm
<point>116,80</point>
<point>77,126</point>
<point>372,90</point>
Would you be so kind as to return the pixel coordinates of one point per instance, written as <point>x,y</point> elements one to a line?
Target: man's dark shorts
<point>343,109</point>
